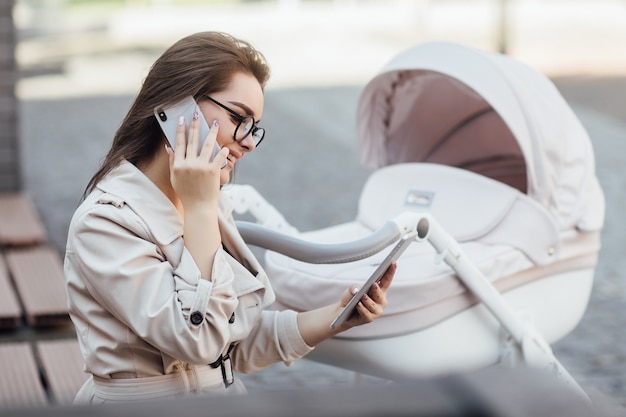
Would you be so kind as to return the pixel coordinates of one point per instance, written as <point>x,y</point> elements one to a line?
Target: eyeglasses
<point>245,125</point>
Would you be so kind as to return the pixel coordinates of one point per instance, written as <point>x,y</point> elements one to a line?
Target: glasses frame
<point>240,120</point>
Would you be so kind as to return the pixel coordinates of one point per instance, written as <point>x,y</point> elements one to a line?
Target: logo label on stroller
<point>419,198</point>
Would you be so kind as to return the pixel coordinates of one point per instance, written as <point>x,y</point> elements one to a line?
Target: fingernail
<point>355,290</point>
<point>215,124</point>
<point>375,286</point>
<point>195,115</point>
<point>181,120</point>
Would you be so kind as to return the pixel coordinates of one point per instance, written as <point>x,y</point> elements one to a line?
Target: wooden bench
<point>38,276</point>
<point>28,267</point>
<point>19,222</point>
<point>20,385</point>
<point>62,368</point>
<point>32,293</point>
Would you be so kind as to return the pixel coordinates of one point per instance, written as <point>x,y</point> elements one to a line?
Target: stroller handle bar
<point>324,253</point>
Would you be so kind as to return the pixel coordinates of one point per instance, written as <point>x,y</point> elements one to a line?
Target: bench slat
<point>10,310</point>
<point>38,276</point>
<point>62,364</point>
<point>20,385</point>
<point>20,223</point>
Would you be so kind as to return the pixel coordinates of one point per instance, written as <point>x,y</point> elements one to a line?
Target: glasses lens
<point>244,128</point>
<point>258,135</point>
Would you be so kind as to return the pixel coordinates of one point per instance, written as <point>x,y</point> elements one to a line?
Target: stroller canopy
<point>450,104</point>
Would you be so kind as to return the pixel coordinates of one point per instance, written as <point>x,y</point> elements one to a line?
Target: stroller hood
<point>450,104</point>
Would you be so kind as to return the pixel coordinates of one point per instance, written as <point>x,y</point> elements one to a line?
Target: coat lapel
<point>236,246</point>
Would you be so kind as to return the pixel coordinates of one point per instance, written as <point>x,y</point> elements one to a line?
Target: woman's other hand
<point>315,327</point>
<point>372,304</point>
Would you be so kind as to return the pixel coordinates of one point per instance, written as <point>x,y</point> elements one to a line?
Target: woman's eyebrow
<point>245,108</point>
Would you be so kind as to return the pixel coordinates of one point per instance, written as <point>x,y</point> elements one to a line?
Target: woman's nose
<point>248,143</point>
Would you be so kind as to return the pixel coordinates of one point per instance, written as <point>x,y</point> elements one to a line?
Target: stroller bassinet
<point>488,147</point>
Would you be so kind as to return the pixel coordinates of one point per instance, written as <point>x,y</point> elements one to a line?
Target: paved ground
<point>308,168</point>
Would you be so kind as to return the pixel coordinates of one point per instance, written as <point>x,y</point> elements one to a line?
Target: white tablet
<point>393,256</point>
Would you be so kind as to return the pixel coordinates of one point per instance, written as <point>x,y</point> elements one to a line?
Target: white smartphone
<point>168,120</point>
<point>393,256</point>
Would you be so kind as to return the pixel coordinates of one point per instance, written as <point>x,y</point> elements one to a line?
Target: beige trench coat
<point>142,311</point>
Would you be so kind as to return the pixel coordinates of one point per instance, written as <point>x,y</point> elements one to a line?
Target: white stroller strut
<point>535,351</point>
<point>531,348</point>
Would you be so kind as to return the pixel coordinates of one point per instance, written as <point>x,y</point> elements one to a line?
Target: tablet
<point>395,253</point>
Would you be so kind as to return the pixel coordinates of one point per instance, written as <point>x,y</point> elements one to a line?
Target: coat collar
<point>138,192</point>
<point>128,185</point>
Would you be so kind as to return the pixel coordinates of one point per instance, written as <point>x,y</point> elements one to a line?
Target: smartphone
<point>393,256</point>
<point>168,120</point>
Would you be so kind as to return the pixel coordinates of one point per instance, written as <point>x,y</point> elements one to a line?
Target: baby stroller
<point>484,157</point>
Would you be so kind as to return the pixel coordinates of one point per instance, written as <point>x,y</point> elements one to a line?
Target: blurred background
<point>87,47</point>
<point>80,62</point>
<point>79,56</point>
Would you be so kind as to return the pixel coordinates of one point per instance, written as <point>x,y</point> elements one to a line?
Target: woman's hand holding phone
<point>196,180</point>
<point>195,162</point>
<point>195,176</point>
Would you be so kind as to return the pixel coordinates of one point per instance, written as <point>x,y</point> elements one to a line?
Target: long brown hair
<point>197,65</point>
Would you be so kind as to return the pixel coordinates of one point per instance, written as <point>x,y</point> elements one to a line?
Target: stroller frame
<point>520,343</point>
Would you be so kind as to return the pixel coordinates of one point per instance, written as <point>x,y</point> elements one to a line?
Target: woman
<point>165,296</point>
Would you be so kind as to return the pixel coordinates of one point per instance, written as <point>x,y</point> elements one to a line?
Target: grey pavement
<point>308,168</point>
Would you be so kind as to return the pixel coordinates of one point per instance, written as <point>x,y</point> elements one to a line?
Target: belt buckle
<point>222,363</point>
<point>228,377</point>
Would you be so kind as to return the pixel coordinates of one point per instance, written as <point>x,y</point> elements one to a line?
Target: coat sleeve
<point>276,339</point>
<point>172,308</point>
